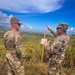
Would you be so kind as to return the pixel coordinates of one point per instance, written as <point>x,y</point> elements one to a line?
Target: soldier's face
<point>59,31</point>
<point>17,25</point>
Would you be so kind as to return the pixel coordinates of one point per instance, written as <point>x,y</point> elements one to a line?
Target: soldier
<point>57,49</point>
<point>13,44</point>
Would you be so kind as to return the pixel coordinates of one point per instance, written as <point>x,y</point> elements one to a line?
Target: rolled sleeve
<point>19,47</point>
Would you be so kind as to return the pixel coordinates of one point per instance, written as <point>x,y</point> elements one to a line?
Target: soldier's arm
<point>54,48</point>
<point>52,31</point>
<point>66,41</point>
<point>47,48</point>
<point>60,45</point>
<point>19,48</point>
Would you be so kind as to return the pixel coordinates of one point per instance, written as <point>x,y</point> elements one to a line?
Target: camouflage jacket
<point>59,45</point>
<point>13,44</point>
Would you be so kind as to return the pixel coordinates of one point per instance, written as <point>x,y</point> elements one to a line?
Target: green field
<point>32,49</point>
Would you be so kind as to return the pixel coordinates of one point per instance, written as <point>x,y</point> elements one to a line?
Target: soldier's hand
<point>48,28</point>
<point>23,62</point>
<point>49,42</point>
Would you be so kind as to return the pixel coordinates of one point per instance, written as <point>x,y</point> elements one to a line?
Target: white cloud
<point>26,26</point>
<point>4,19</point>
<point>31,6</point>
<point>72,29</point>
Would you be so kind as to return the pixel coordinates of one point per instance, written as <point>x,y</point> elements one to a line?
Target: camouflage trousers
<point>54,67</point>
<point>14,67</point>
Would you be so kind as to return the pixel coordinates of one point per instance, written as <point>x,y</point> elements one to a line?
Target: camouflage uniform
<point>15,54</point>
<point>57,52</point>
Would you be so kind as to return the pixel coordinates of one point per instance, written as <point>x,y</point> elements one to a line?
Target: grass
<point>32,49</point>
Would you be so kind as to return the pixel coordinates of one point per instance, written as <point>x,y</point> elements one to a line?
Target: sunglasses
<point>19,24</point>
<point>58,28</point>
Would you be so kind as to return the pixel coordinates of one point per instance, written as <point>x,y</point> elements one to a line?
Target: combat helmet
<point>63,25</point>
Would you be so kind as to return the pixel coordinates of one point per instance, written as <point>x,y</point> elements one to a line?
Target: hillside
<point>32,49</point>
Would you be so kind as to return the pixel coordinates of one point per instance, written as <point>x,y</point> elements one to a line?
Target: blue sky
<point>35,14</point>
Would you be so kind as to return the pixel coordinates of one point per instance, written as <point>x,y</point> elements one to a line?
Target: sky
<point>36,14</point>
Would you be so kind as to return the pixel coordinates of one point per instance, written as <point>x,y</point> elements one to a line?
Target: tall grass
<point>32,49</point>
<point>69,61</point>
